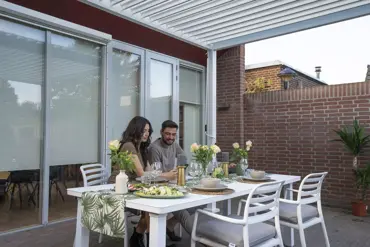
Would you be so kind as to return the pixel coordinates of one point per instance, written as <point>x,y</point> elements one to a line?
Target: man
<point>166,150</point>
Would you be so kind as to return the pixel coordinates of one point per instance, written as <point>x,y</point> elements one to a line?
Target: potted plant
<point>355,140</point>
<point>359,208</point>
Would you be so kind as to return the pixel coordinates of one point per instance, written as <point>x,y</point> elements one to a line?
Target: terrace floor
<point>344,230</point>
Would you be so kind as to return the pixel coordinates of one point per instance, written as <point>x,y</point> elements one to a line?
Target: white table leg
<point>228,206</point>
<point>157,235</point>
<point>82,233</point>
<point>211,207</point>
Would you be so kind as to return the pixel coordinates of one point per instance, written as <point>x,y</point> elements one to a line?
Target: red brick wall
<point>269,73</point>
<point>230,91</point>
<point>291,131</point>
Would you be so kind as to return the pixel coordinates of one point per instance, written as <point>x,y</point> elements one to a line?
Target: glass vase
<point>241,167</point>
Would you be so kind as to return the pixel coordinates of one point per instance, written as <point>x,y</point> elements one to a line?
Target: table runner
<point>103,212</point>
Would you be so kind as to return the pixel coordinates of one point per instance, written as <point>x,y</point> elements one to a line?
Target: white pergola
<point>220,24</point>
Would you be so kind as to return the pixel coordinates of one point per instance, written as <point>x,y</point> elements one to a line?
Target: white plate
<point>158,179</point>
<point>248,177</point>
<point>218,188</point>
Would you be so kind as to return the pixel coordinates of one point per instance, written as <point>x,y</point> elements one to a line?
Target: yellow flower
<point>236,145</point>
<point>215,149</point>
<point>204,147</point>
<point>248,148</point>
<point>194,147</point>
<point>113,145</point>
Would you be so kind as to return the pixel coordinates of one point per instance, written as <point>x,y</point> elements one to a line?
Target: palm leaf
<point>89,202</point>
<point>117,227</point>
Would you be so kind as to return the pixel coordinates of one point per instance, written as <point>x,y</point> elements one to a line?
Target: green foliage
<point>258,86</point>
<point>353,138</point>
<point>363,180</point>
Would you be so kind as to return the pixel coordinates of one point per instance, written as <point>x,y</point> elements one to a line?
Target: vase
<point>205,168</point>
<point>121,183</point>
<point>241,167</point>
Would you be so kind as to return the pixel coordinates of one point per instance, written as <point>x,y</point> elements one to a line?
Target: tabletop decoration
<point>204,154</point>
<point>122,159</point>
<point>240,156</point>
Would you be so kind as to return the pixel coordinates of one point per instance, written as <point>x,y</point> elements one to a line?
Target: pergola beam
<point>295,27</point>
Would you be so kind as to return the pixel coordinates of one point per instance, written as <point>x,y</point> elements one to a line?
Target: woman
<point>136,140</point>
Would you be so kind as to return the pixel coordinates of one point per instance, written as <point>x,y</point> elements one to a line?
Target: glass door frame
<point>202,70</point>
<point>115,44</point>
<point>175,82</point>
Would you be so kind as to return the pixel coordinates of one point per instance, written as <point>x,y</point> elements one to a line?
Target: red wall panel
<point>121,29</point>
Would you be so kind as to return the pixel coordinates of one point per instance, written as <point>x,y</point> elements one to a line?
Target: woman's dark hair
<point>134,133</point>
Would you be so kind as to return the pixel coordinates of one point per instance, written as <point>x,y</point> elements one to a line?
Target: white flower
<point>204,147</point>
<point>194,147</point>
<point>248,148</point>
<point>236,145</point>
<point>248,144</point>
<point>113,145</point>
<point>215,149</point>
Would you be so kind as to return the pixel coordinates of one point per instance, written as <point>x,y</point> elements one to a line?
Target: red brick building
<point>270,70</point>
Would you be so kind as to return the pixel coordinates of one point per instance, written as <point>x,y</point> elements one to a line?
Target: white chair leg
<point>327,243</point>
<point>100,238</point>
<point>302,237</point>
<point>180,231</point>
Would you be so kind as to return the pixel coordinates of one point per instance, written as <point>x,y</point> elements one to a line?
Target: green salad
<point>161,191</point>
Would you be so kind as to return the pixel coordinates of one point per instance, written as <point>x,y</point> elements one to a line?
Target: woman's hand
<point>171,175</point>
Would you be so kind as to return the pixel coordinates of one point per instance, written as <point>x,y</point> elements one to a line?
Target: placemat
<point>240,180</point>
<point>201,192</point>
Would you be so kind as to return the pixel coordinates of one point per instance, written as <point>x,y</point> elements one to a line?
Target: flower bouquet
<point>239,155</point>
<point>204,154</point>
<point>122,159</point>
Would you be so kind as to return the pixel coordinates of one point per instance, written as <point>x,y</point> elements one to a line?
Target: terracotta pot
<point>359,208</point>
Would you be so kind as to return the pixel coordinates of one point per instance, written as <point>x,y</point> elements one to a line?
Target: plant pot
<point>359,208</point>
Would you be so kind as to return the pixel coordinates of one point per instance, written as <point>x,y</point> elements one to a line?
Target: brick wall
<point>291,131</point>
<point>271,72</point>
<point>230,92</point>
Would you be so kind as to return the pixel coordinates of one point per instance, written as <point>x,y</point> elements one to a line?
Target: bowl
<point>257,174</point>
<point>210,182</point>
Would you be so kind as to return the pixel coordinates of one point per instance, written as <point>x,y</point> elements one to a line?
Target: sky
<point>341,49</point>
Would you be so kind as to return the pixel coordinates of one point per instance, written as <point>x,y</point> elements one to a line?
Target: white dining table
<point>159,208</point>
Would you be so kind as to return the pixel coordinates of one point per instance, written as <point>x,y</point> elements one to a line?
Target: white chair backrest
<point>263,202</point>
<point>310,188</point>
<point>94,174</point>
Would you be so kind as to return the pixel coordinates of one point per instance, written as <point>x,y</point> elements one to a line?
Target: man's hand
<point>171,175</point>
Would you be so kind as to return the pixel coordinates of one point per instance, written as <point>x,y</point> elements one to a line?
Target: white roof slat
<point>197,12</point>
<point>146,6</point>
<point>159,8</point>
<point>182,7</point>
<point>275,14</point>
<point>219,24</point>
<point>272,24</point>
<point>129,4</point>
<point>241,18</point>
<point>227,13</point>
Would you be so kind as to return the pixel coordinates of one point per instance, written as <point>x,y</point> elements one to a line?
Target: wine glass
<point>156,169</point>
<point>195,170</point>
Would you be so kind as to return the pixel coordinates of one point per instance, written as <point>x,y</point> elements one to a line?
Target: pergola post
<point>211,96</point>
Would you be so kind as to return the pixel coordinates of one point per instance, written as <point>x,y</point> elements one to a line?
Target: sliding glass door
<point>161,90</point>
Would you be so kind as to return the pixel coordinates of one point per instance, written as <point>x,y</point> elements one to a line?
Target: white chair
<point>298,214</point>
<point>248,230</point>
<point>94,174</point>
